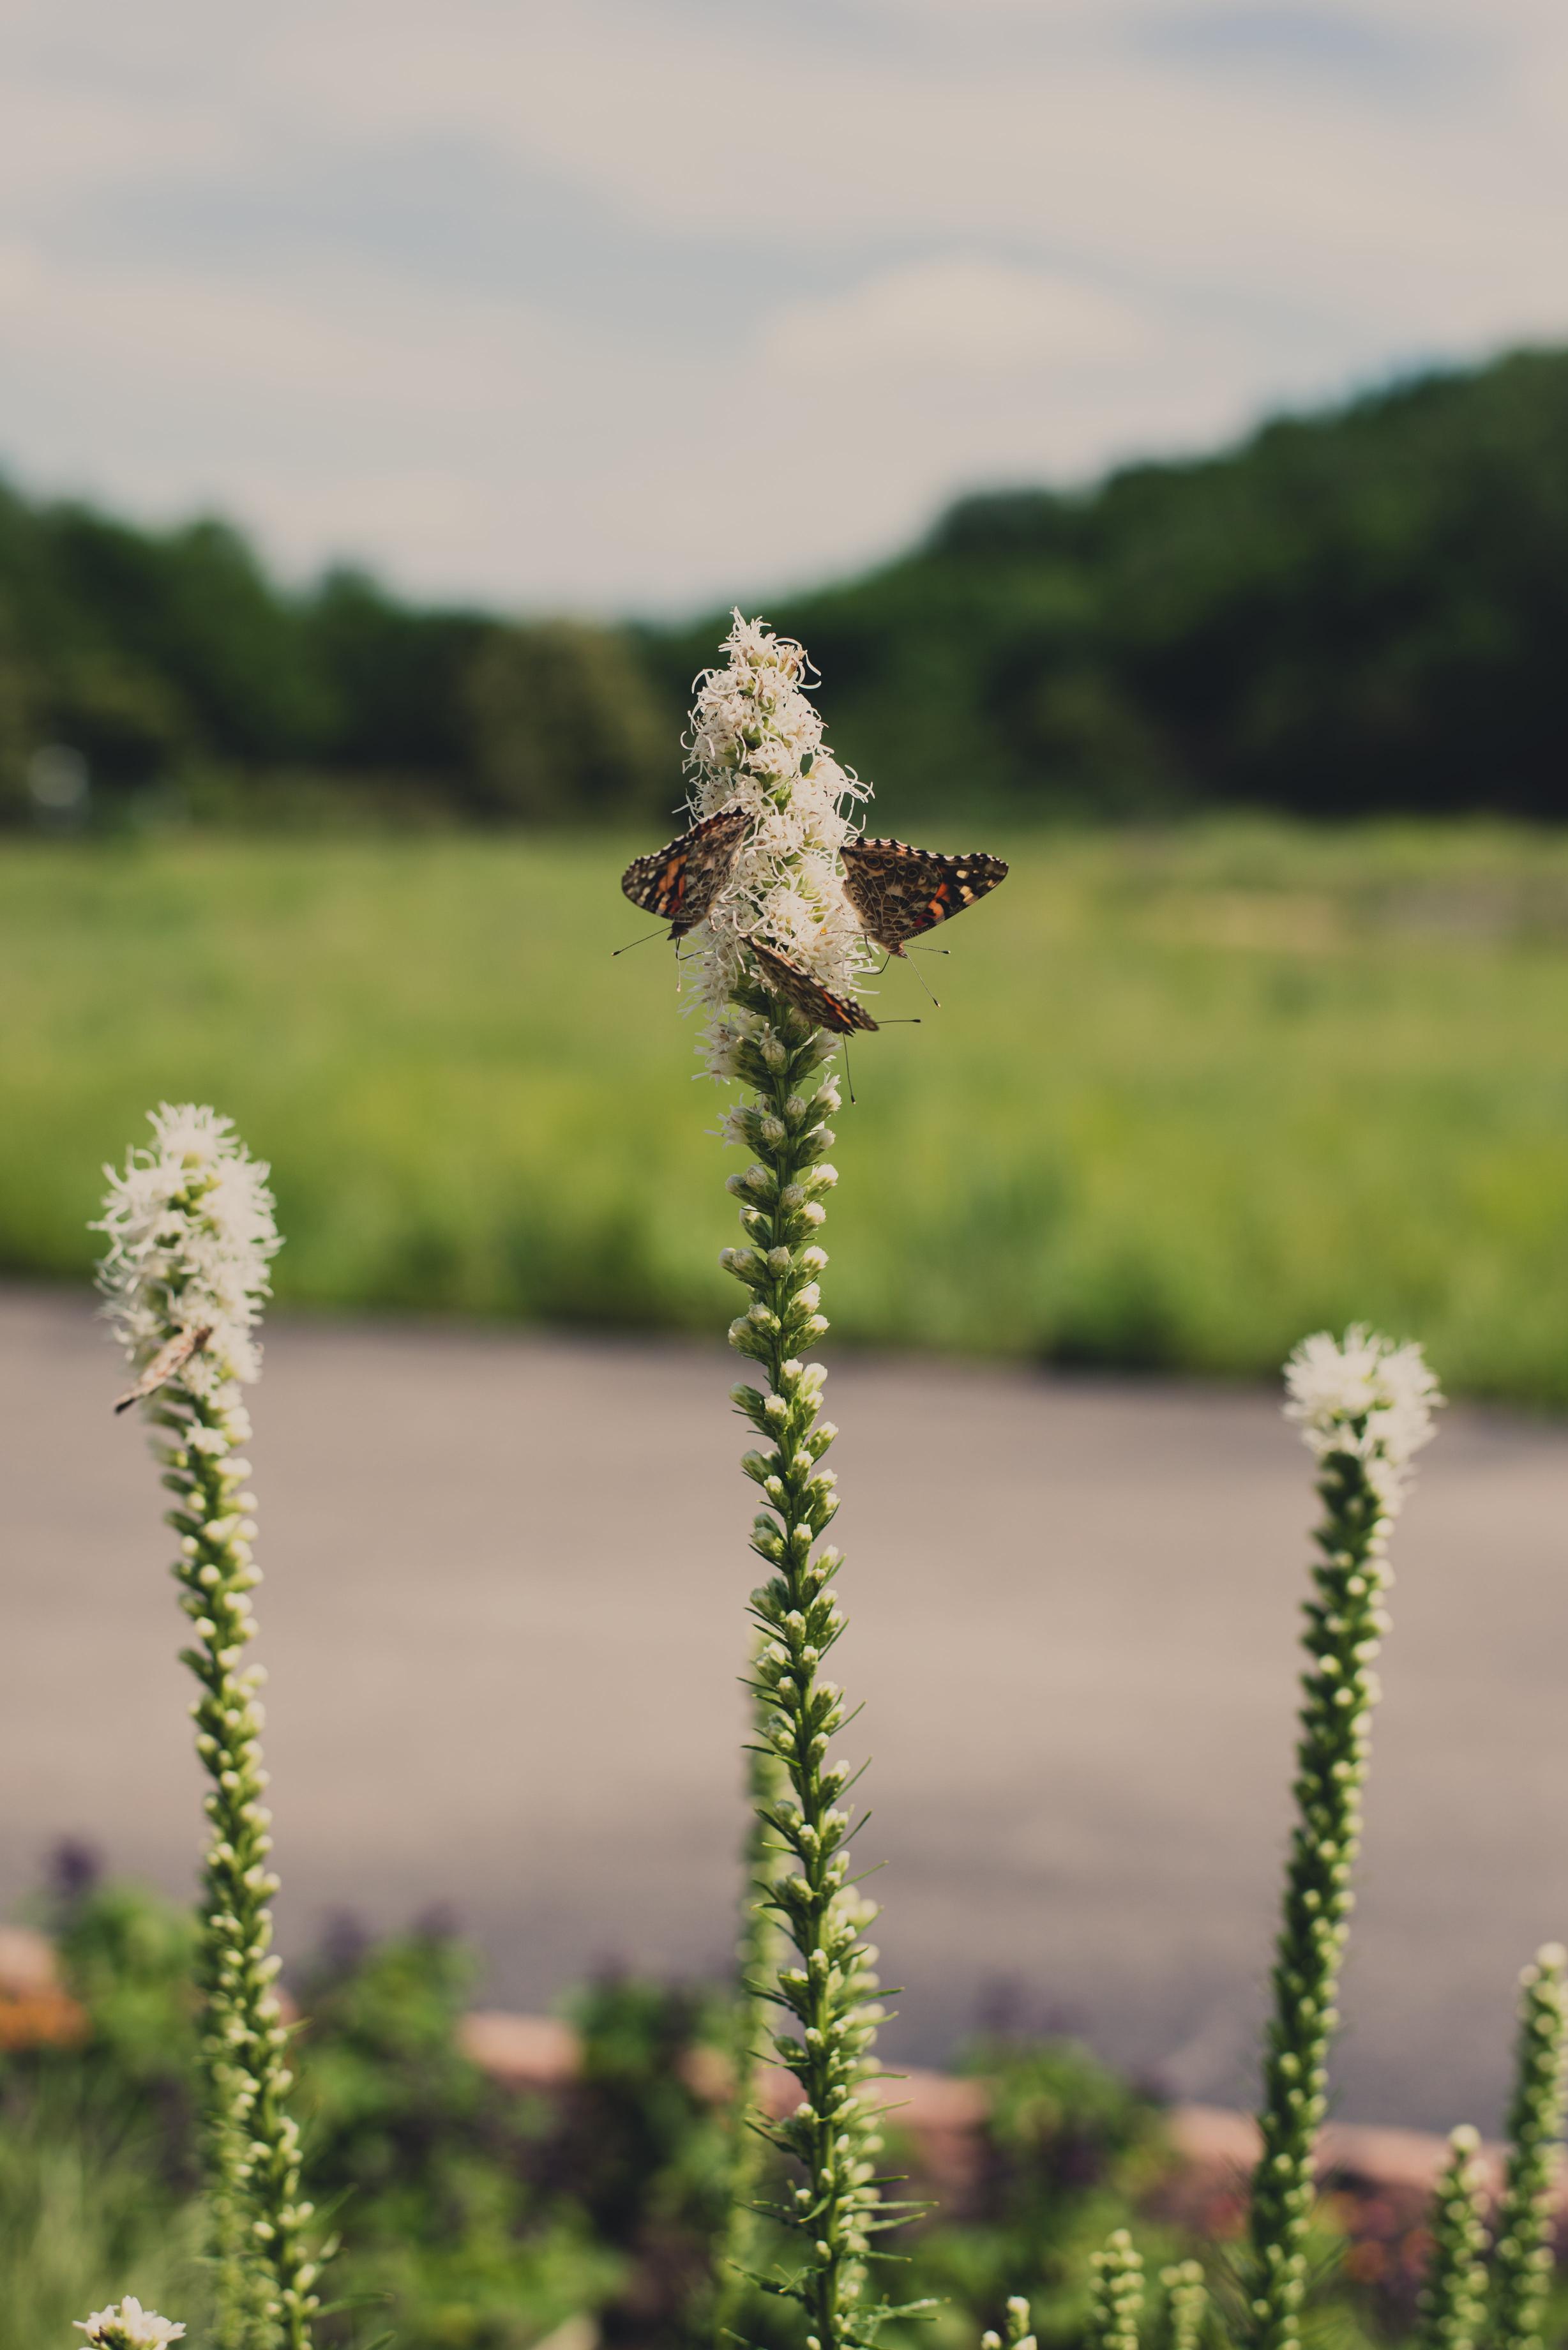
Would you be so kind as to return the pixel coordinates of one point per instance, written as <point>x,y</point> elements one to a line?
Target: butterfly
<point>819,1003</point>
<point>678,883</point>
<point>165,1363</point>
<point>898,891</point>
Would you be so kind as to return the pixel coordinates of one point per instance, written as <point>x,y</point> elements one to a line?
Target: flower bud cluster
<point>1186,2303</point>
<point>1116,2295</point>
<point>827,1985</point>
<point>1453,2293</point>
<point>1017,2336</point>
<point>1521,2254</point>
<point>1361,1435</point>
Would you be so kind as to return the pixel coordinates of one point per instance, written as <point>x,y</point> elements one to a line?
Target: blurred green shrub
<point>565,722</point>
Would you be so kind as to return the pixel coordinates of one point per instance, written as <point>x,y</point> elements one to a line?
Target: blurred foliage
<point>194,688</point>
<point>1356,610</point>
<point>1069,2150</point>
<point>564,723</point>
<point>477,2218</point>
<point>1235,1081</point>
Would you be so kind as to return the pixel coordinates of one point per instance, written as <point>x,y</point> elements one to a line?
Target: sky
<point>641,305</point>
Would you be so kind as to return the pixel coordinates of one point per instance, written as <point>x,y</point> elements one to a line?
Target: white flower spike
<point>191,1233</point>
<point>755,743</point>
<point>129,2327</point>
<point>1363,1396</point>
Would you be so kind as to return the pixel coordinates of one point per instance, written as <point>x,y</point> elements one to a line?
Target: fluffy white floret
<point>755,743</point>
<point>1365,1396</point>
<point>191,1233</point>
<point>129,2327</point>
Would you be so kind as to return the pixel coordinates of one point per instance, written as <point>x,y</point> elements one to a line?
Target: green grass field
<point>1189,1095</point>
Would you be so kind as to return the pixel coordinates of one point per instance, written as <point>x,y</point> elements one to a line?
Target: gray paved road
<point>501,1614</point>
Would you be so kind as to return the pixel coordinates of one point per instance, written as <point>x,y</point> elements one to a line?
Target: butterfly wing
<point>820,1005</point>
<point>900,891</point>
<point>678,882</point>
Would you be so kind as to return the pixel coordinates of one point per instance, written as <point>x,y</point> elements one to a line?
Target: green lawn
<point>1189,1095</point>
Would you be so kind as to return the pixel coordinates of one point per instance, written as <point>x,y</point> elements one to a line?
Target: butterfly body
<point>820,1005</point>
<point>679,882</point>
<point>900,891</point>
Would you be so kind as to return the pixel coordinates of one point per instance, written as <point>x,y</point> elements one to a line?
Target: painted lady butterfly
<point>820,1005</point>
<point>679,882</point>
<point>898,891</point>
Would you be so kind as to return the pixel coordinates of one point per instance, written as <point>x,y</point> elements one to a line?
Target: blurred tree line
<point>169,663</point>
<point>1362,609</point>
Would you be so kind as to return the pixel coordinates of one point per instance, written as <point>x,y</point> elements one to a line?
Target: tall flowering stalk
<point>1363,1406</point>
<point>756,744</point>
<point>1522,2254</point>
<point>1453,2296</point>
<point>191,1233</point>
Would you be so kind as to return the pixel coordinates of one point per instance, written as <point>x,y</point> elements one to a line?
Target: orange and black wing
<point>820,1005</point>
<point>678,883</point>
<point>898,891</point>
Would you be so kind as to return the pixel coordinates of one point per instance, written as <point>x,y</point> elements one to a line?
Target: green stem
<point>1343,1620</point>
<point>831,2133</point>
<point>1521,2256</point>
<point>758,1958</point>
<point>265,2268</point>
<point>1453,2296</point>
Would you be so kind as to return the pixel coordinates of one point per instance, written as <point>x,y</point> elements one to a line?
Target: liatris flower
<point>1115,2295</point>
<point>1365,1396</point>
<point>755,743</point>
<point>126,2325</point>
<point>190,1232</point>
<point>1453,2296</point>
<point>1365,1408</point>
<point>1522,2254</point>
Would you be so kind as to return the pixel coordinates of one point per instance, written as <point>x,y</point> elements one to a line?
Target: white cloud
<point>951,316</point>
<point>919,243</point>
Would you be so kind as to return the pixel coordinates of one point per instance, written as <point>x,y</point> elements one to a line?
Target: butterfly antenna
<point>848,1079</point>
<point>912,1021</point>
<point>928,950</point>
<point>635,942</point>
<point>935,1002</point>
